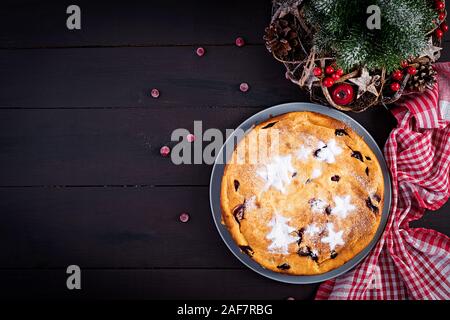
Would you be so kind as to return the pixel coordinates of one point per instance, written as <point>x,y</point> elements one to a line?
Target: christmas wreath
<point>354,54</point>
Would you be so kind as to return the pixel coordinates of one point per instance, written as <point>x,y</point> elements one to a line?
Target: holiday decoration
<point>184,217</point>
<point>343,94</point>
<point>326,43</point>
<point>425,78</point>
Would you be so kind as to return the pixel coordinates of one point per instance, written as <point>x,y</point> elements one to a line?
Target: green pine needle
<point>341,31</point>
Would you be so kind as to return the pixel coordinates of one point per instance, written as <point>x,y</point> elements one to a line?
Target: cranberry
<point>184,217</point>
<point>190,137</point>
<point>200,51</point>
<point>154,93</point>
<point>244,87</point>
<point>164,151</point>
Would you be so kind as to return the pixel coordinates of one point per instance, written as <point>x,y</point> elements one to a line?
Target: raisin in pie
<point>310,201</point>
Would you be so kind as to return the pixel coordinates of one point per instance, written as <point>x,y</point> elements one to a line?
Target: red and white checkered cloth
<point>410,263</point>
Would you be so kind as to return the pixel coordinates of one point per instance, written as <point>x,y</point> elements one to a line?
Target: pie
<point>302,193</point>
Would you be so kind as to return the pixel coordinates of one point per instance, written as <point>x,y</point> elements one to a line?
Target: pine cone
<point>282,39</point>
<point>425,78</point>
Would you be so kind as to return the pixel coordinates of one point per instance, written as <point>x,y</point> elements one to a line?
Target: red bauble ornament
<point>395,86</point>
<point>343,94</point>
<point>439,33</point>
<point>317,71</point>
<point>440,5</point>
<point>340,72</point>
<point>329,70</point>
<point>397,75</point>
<point>404,63</point>
<point>335,76</point>
<point>412,71</point>
<point>444,27</point>
<point>441,16</point>
<point>328,82</point>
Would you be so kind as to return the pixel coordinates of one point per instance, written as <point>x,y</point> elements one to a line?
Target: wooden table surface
<point>81,178</point>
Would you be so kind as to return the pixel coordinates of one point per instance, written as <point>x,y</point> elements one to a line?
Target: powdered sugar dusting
<point>303,153</point>
<point>250,203</point>
<point>328,152</point>
<point>342,206</point>
<point>281,234</point>
<point>317,205</point>
<point>312,229</point>
<point>317,172</point>
<point>277,173</point>
<point>333,238</point>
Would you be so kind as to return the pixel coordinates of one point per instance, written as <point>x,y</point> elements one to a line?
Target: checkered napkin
<point>410,263</point>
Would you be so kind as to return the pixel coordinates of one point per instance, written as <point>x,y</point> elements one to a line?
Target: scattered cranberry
<point>335,76</point>
<point>164,151</point>
<point>397,75</point>
<point>244,87</point>
<point>404,63</point>
<point>444,27</point>
<point>441,16</point>
<point>190,137</point>
<point>200,51</point>
<point>412,71</point>
<point>317,71</point>
<point>154,93</point>
<point>395,86</point>
<point>439,33</point>
<point>239,41</point>
<point>329,70</point>
<point>328,82</point>
<point>340,72</point>
<point>184,217</point>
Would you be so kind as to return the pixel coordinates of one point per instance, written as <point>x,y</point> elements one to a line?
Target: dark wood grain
<point>81,179</point>
<point>117,146</point>
<point>33,24</point>
<point>150,284</point>
<point>117,227</point>
<point>123,77</point>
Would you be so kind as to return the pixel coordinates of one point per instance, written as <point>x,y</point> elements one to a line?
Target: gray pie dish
<point>216,180</point>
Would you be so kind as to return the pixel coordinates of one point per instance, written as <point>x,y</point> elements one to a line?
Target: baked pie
<point>312,201</point>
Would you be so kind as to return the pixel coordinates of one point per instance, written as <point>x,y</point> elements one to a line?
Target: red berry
<point>200,51</point>
<point>317,71</point>
<point>335,76</point>
<point>184,217</point>
<point>440,5</point>
<point>340,72</point>
<point>154,93</point>
<point>404,63</point>
<point>412,71</point>
<point>439,33</point>
<point>441,16</point>
<point>444,27</point>
<point>164,151</point>
<point>343,94</point>
<point>395,86</point>
<point>328,82</point>
<point>244,87</point>
<point>239,41</point>
<point>397,75</point>
<point>329,70</point>
<point>190,137</point>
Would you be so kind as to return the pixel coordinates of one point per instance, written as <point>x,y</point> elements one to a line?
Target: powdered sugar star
<point>342,206</point>
<point>333,238</point>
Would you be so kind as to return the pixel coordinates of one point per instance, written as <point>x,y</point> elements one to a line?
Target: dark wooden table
<point>81,178</point>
